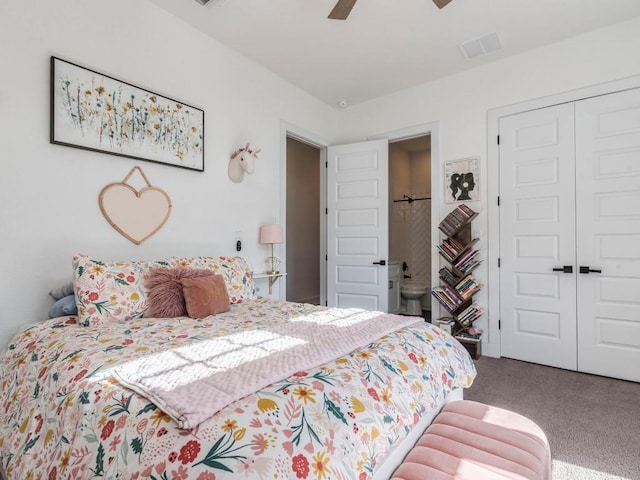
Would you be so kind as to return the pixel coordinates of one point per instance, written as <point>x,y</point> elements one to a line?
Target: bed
<point>67,414</point>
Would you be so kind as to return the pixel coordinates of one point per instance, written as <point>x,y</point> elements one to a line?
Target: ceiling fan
<point>343,8</point>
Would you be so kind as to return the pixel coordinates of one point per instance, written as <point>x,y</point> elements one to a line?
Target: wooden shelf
<point>458,255</point>
<point>457,245</point>
<point>272,277</point>
<point>473,347</point>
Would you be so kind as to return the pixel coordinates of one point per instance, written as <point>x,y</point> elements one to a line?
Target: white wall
<point>460,104</point>
<point>49,193</point>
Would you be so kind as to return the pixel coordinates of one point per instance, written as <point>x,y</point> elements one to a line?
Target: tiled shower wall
<point>410,223</point>
<point>419,240</point>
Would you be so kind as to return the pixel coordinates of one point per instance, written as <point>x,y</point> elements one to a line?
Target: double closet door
<point>570,235</point>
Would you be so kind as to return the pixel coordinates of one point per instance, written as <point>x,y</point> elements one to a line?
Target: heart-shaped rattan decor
<point>135,214</point>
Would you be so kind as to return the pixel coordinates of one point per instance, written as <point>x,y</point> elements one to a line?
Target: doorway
<point>303,222</point>
<point>410,215</point>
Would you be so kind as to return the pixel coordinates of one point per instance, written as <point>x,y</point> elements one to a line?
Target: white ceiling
<point>386,45</point>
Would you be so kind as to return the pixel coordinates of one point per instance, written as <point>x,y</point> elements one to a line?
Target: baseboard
<point>312,300</point>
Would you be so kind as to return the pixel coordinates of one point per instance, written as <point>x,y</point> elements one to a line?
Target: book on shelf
<point>464,259</point>
<point>448,277</point>
<point>451,293</point>
<point>447,298</point>
<point>445,253</point>
<point>449,225</point>
<point>469,292</point>
<point>467,337</point>
<point>468,254</point>
<point>455,245</point>
<point>464,282</point>
<point>444,301</point>
<point>456,218</point>
<point>446,228</point>
<point>467,285</point>
<point>446,323</point>
<point>459,217</point>
<point>462,212</point>
<point>467,210</point>
<point>451,249</point>
<point>469,266</point>
<point>470,315</point>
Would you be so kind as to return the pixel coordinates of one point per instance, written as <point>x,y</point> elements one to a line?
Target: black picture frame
<point>94,111</point>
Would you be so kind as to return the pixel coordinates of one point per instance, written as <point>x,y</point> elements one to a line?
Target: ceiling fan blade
<point>441,3</point>
<point>342,9</point>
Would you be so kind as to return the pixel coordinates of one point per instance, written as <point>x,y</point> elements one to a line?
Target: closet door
<point>537,237</point>
<point>608,240</point>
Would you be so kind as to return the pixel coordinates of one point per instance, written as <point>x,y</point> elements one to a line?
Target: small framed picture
<point>461,179</point>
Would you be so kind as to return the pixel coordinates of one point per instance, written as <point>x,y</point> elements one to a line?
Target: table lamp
<point>270,234</point>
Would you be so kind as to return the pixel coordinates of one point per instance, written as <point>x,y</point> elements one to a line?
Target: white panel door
<point>537,237</point>
<point>608,219</point>
<point>357,225</point>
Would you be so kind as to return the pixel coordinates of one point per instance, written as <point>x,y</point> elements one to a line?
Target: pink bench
<point>472,441</point>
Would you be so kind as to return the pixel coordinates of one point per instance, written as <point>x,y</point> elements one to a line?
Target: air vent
<point>481,46</point>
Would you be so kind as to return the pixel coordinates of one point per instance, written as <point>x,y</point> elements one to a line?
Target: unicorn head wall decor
<point>242,161</point>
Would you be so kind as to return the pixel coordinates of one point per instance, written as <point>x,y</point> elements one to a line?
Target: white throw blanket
<point>193,382</point>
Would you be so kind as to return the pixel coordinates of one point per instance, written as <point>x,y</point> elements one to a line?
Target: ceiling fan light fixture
<point>441,3</point>
<point>342,9</point>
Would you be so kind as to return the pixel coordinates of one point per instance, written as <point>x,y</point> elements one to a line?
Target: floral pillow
<point>234,270</point>
<point>110,291</point>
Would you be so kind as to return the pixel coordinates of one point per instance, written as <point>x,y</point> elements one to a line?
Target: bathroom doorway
<point>410,221</point>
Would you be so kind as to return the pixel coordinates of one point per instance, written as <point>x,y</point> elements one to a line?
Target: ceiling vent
<point>480,46</point>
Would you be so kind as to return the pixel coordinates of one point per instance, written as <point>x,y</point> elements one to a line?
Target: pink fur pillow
<point>205,296</point>
<point>165,297</point>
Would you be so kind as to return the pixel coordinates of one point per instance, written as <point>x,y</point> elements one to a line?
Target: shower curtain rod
<point>407,198</point>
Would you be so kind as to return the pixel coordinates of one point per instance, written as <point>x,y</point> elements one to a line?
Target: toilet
<point>412,291</point>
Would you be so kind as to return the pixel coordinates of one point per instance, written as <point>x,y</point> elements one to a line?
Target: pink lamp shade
<point>271,233</point>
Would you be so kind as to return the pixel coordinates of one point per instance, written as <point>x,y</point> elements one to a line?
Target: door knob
<point>564,269</point>
<point>381,262</point>
<point>588,270</point>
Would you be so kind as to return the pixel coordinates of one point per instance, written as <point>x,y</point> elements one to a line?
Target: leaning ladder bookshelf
<point>457,284</point>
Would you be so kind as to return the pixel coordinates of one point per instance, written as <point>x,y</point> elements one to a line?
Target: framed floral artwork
<point>461,178</point>
<point>93,111</point>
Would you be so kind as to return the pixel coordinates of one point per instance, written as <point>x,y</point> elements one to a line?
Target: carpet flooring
<point>592,422</point>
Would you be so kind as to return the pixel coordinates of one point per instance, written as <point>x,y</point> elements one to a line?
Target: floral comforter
<point>65,417</point>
